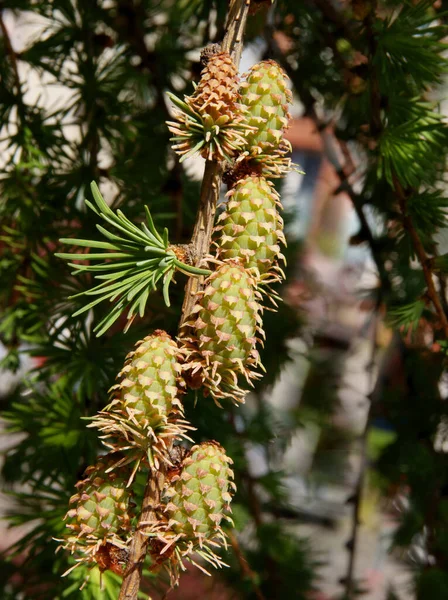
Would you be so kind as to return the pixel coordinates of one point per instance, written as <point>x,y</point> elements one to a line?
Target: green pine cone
<point>146,407</point>
<point>102,512</point>
<point>251,229</point>
<point>221,335</point>
<point>266,97</point>
<point>195,501</point>
<point>198,497</point>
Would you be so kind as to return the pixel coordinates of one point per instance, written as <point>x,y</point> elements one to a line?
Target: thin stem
<point>200,242</point>
<point>344,172</point>
<point>352,544</point>
<point>131,581</point>
<point>235,25</point>
<point>421,255</point>
<point>202,232</point>
<point>244,565</point>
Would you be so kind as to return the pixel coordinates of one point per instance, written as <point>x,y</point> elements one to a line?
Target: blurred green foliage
<point>374,74</point>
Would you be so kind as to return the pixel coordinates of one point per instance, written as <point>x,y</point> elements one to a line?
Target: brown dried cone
<point>145,415</point>
<point>251,229</point>
<point>210,122</point>
<point>266,98</point>
<point>219,339</point>
<point>195,501</point>
<point>99,523</point>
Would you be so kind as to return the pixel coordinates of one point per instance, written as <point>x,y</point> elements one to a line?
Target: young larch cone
<point>210,122</point>
<point>217,90</point>
<point>195,501</point>
<point>266,97</point>
<point>219,339</point>
<point>101,513</point>
<point>145,410</point>
<point>250,228</point>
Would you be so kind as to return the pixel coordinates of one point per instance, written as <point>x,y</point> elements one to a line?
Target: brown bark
<point>137,553</point>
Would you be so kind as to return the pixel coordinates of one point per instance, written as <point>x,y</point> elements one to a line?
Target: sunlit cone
<point>210,122</point>
<point>219,339</point>
<point>266,97</point>
<point>198,497</point>
<point>250,228</point>
<point>145,411</point>
<point>195,502</point>
<point>101,513</point>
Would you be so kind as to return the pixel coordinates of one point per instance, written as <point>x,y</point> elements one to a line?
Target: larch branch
<point>200,242</point>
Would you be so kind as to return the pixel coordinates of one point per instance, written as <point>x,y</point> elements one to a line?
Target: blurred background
<point>340,452</point>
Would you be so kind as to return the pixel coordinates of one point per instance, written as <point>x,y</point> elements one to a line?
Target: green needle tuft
<point>133,264</point>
